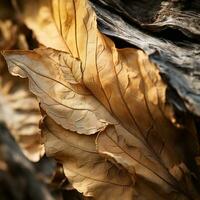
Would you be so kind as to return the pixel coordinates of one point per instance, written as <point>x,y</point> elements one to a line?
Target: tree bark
<point>169,32</point>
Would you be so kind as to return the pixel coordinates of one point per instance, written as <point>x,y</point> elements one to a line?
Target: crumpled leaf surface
<point>90,88</point>
<point>19,108</point>
<point>84,167</point>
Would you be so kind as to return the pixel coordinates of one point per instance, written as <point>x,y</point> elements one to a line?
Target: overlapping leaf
<point>19,108</point>
<point>90,173</point>
<point>89,87</point>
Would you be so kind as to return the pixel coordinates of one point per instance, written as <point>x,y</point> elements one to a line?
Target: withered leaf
<point>55,79</point>
<point>91,174</point>
<point>19,108</point>
<point>20,111</point>
<point>94,88</point>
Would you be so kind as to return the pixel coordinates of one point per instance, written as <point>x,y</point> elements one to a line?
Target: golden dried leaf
<point>91,174</point>
<point>20,112</point>
<point>55,78</point>
<point>93,87</point>
<point>19,108</point>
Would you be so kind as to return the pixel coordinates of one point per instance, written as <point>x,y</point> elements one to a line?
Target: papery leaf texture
<point>107,118</point>
<point>19,109</point>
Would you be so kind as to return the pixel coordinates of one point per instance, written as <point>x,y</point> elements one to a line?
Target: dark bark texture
<point>21,179</point>
<point>18,176</point>
<point>169,32</point>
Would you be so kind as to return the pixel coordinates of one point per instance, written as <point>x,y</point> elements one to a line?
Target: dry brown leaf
<point>93,88</point>
<point>91,174</point>
<point>20,112</point>
<point>54,78</point>
<point>126,150</point>
<point>19,108</point>
<point>46,22</point>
